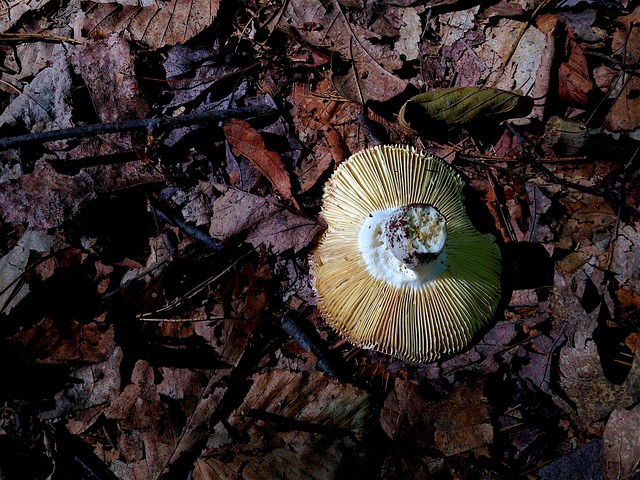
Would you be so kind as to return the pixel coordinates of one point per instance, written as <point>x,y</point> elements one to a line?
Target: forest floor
<point>157,320</point>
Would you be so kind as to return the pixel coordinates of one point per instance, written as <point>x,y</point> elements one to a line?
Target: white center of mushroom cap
<point>405,245</point>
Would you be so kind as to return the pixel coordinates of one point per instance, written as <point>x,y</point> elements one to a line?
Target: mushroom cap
<point>363,288</point>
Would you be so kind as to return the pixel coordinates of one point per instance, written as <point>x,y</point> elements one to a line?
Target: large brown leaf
<point>156,25</point>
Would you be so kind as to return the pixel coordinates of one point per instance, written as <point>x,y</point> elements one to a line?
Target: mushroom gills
<point>401,269</point>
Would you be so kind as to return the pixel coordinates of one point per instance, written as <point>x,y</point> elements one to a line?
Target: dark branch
<point>150,124</point>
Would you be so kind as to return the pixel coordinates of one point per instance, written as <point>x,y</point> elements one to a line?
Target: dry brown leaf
<point>160,254</point>
<point>148,430</point>
<point>246,141</point>
<point>59,344</point>
<point>260,221</point>
<point>13,12</point>
<point>44,198</point>
<point>625,112</point>
<point>95,386</point>
<point>525,62</point>
<point>604,77</point>
<point>199,398</point>
<point>581,375</point>
<point>621,438</point>
<point>14,264</point>
<point>45,103</point>
<point>625,40</point>
<point>156,24</point>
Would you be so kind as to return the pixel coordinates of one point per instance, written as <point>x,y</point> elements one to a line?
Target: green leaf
<point>458,106</point>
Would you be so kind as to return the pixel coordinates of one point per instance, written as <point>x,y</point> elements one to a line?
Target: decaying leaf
<point>458,106</point>
<point>148,431</point>
<point>155,24</point>
<point>621,444</point>
<point>621,438</point>
<point>46,198</point>
<point>108,70</point>
<point>13,12</point>
<point>625,112</point>
<point>159,257</point>
<point>246,141</point>
<point>260,221</point>
<point>513,61</point>
<point>94,386</point>
<point>581,375</point>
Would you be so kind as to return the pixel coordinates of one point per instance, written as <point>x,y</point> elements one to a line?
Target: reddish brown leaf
<point>460,423</point>
<point>246,141</point>
<point>575,84</point>
<point>148,431</point>
<point>76,342</point>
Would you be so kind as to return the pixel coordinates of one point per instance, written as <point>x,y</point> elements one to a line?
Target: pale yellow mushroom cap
<point>400,268</point>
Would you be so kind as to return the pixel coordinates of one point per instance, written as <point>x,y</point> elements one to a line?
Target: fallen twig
<point>36,37</point>
<point>168,215</point>
<point>327,361</point>
<point>150,124</point>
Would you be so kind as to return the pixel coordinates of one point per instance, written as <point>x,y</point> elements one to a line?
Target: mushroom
<point>400,268</point>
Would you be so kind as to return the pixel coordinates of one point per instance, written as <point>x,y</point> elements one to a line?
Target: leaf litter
<point>155,287</point>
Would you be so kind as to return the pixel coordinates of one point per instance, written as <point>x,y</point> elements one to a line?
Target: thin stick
<point>195,290</point>
<point>36,37</point>
<point>150,124</point>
